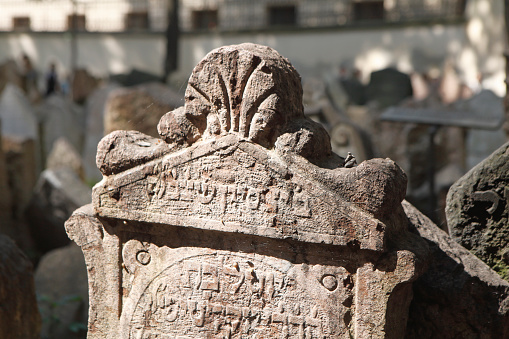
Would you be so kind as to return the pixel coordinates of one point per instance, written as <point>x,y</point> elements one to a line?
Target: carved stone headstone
<point>241,222</point>
<point>478,211</point>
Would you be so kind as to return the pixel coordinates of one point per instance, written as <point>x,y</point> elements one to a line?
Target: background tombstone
<point>459,296</point>
<point>57,194</point>
<point>19,316</point>
<point>478,210</point>
<point>242,222</point>
<point>139,108</point>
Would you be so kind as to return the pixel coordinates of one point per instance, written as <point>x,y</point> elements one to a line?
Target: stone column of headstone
<point>241,222</point>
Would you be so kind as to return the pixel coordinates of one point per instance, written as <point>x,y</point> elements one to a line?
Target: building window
<point>21,23</point>
<point>136,21</point>
<point>76,22</point>
<point>368,10</point>
<point>282,15</point>
<point>205,19</point>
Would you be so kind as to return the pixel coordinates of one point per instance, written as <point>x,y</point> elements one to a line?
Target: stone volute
<point>241,223</point>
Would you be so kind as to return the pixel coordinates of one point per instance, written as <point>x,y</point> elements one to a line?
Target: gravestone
<point>5,197</point>
<point>94,129</point>
<point>459,296</point>
<point>388,87</point>
<point>139,108</point>
<point>241,222</point>
<point>61,284</point>
<point>19,316</point>
<point>64,155</point>
<point>83,84</point>
<point>20,159</point>
<point>57,194</point>
<point>478,211</point>
<point>17,114</point>
<point>60,117</point>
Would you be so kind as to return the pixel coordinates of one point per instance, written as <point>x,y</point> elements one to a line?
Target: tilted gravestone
<point>241,222</point>
<point>478,211</point>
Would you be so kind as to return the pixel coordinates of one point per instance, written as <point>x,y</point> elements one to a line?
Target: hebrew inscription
<point>228,296</point>
<point>493,197</point>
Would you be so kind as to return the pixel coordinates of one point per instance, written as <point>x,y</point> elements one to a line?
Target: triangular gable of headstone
<point>241,222</point>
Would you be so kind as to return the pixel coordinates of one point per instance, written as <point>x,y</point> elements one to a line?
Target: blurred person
<point>52,85</point>
<point>30,78</point>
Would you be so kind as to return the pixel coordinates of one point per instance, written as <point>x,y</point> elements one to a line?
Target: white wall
<point>473,47</point>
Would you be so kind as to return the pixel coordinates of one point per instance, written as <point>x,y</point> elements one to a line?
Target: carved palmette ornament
<point>248,90</point>
<point>241,222</point>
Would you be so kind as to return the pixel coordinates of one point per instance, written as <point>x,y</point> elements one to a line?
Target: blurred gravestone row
<point>47,167</point>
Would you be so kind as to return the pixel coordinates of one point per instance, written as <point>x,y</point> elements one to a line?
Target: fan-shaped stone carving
<point>249,90</point>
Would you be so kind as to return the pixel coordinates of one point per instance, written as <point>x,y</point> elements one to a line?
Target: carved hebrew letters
<point>233,296</point>
<point>493,197</point>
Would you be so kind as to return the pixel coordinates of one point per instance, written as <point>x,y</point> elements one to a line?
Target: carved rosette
<point>242,223</point>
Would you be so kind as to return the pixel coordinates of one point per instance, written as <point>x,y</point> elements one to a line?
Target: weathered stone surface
<point>9,74</point>
<point>245,224</point>
<point>94,130</point>
<point>57,194</point>
<point>21,170</point>
<point>481,143</point>
<point>478,210</point>
<point>17,115</point>
<point>61,284</point>
<point>459,296</point>
<point>19,316</point>
<point>83,84</point>
<point>5,197</point>
<point>139,108</point>
<point>60,117</point>
<point>388,87</point>
<point>63,154</point>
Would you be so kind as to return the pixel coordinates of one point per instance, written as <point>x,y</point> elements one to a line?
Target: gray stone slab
<point>484,111</point>
<point>478,210</point>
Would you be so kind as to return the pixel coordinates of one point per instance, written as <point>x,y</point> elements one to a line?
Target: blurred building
<point>122,15</point>
<point>117,35</point>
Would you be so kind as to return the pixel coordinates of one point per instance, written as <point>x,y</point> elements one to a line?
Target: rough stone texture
<point>139,108</point>
<point>60,117</point>
<point>19,316</point>
<point>9,74</point>
<point>17,115</point>
<point>21,170</point>
<point>459,296</point>
<point>63,154</point>
<point>83,84</point>
<point>57,194</point>
<point>6,195</point>
<point>94,130</point>
<point>61,284</point>
<point>478,210</point>
<point>481,143</point>
<point>245,225</point>
<point>388,87</point>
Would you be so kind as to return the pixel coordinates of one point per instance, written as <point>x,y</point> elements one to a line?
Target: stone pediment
<point>235,160</point>
<point>233,185</point>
